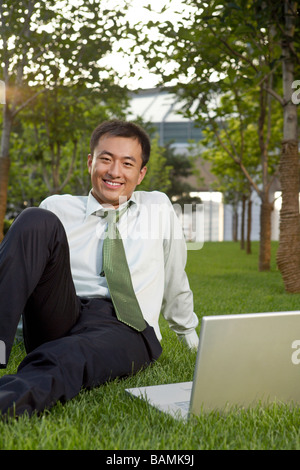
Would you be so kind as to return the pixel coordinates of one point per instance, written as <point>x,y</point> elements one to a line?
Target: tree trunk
<point>4,174</point>
<point>249,226</point>
<point>265,235</point>
<point>4,164</point>
<point>288,255</point>
<point>242,242</point>
<point>235,224</point>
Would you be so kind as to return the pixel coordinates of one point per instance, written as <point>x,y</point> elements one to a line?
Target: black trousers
<point>70,342</point>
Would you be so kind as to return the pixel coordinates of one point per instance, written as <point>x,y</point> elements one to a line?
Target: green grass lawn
<point>225,280</point>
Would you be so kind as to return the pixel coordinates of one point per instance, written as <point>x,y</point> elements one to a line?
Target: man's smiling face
<point>115,168</point>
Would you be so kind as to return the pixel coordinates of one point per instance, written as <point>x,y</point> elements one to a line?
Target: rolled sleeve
<point>178,303</point>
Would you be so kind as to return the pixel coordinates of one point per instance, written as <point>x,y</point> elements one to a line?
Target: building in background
<point>162,109</point>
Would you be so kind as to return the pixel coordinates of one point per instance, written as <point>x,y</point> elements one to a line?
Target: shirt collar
<point>93,205</point>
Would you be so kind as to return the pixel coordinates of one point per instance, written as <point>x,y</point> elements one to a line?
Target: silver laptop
<point>242,361</point>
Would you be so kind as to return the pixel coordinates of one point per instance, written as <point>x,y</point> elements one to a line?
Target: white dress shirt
<point>155,250</point>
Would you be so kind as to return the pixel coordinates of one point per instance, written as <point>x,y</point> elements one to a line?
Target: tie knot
<point>111,216</point>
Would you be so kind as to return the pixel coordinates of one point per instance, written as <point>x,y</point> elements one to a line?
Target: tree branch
<point>237,161</point>
<point>235,53</point>
<point>29,100</point>
<point>71,167</point>
<point>276,96</point>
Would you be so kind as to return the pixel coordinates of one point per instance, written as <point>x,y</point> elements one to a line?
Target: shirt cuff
<point>190,339</point>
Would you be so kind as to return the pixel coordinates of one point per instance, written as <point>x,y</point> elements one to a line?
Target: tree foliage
<point>237,48</point>
<point>47,46</point>
<point>158,172</point>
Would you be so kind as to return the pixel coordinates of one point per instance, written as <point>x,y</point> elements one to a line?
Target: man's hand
<point>190,339</point>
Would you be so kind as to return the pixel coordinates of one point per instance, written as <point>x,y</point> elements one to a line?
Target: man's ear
<point>89,162</point>
<point>142,174</point>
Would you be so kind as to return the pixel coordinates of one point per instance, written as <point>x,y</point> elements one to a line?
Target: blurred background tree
<point>46,50</point>
<point>236,48</point>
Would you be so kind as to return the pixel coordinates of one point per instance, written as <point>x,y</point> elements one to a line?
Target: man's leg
<point>35,279</point>
<point>98,348</point>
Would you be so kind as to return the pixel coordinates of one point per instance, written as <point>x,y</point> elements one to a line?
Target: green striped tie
<point>116,271</point>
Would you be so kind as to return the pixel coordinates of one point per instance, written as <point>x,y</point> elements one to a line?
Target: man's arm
<point>178,304</point>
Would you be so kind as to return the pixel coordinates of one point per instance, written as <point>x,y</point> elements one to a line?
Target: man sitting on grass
<point>88,314</point>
